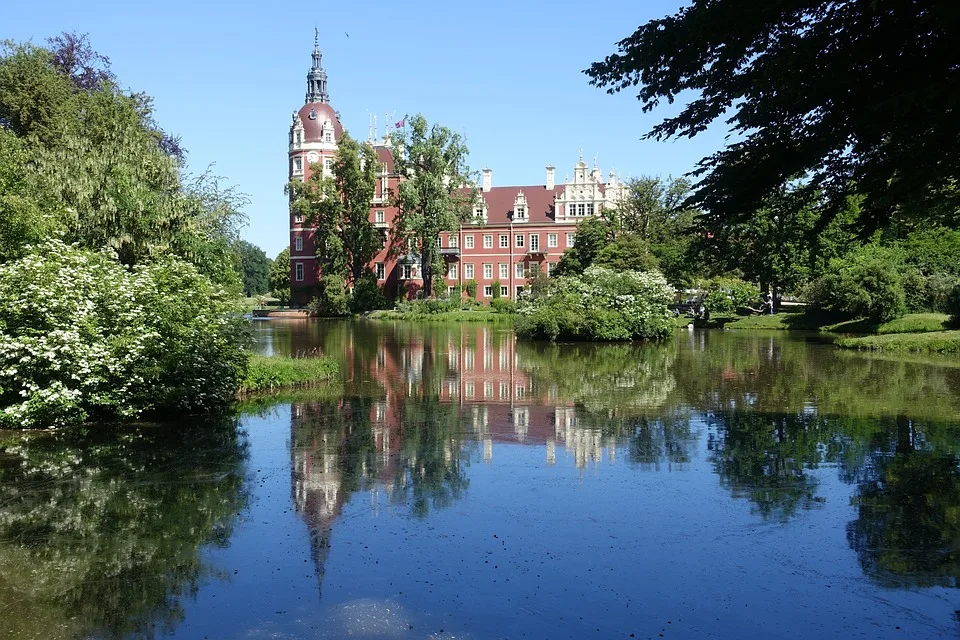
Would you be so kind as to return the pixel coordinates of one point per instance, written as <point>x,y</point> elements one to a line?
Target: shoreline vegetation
<point>280,373</point>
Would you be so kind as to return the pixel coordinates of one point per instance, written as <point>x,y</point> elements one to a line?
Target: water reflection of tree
<point>101,530</point>
<point>907,530</point>
<point>766,458</point>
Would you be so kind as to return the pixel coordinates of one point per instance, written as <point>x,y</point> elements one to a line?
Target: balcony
<point>538,251</point>
<point>450,251</point>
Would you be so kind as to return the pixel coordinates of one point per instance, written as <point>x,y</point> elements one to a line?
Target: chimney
<point>550,177</point>
<point>487,179</point>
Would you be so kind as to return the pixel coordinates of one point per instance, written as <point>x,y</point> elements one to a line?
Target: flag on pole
<point>400,123</point>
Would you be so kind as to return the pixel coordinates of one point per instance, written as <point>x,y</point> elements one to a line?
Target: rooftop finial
<point>317,77</point>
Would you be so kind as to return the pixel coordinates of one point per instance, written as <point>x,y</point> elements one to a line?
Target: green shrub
<point>503,305</point>
<point>867,283</point>
<point>952,306</point>
<point>602,305</point>
<point>84,338</point>
<point>367,294</point>
<point>729,294</point>
<point>333,299</point>
<point>495,285</point>
<point>471,287</point>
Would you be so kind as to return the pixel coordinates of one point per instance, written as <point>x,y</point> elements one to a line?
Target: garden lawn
<point>932,342</point>
<point>480,314</point>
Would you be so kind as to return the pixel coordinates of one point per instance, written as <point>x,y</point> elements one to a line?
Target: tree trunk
<point>426,269</point>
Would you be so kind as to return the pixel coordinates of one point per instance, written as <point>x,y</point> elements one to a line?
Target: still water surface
<point>458,484</point>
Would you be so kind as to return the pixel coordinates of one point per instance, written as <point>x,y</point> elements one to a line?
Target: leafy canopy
<point>435,193</point>
<point>855,94</point>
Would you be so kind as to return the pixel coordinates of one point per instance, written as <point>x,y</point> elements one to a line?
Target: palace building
<point>518,230</point>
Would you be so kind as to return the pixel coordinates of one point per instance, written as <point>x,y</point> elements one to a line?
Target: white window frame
<point>534,242</point>
<point>487,271</point>
<point>504,271</point>
<point>569,240</point>
<point>380,217</point>
<point>452,241</point>
<point>468,271</point>
<point>452,272</point>
<point>488,291</point>
<point>520,212</point>
<point>551,240</point>
<point>520,241</point>
<point>488,241</point>
<point>297,166</point>
<point>298,243</point>
<point>298,271</point>
<point>380,270</point>
<point>520,270</point>
<point>504,291</point>
<point>504,241</point>
<point>468,241</point>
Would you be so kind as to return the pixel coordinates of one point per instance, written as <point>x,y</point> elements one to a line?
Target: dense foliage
<point>436,195</point>
<point>82,337</point>
<point>254,268</point>
<point>865,284</point>
<point>116,266</point>
<point>280,276</point>
<point>782,73</point>
<point>602,305</point>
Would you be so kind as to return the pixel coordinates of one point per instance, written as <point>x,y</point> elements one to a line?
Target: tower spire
<point>317,77</point>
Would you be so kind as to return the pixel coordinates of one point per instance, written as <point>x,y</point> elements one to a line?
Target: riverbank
<point>283,372</point>
<point>914,332</point>
<point>478,314</point>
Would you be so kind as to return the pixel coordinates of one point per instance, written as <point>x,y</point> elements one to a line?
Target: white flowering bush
<point>601,305</point>
<point>84,338</point>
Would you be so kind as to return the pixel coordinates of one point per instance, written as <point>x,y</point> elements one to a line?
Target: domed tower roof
<point>313,116</point>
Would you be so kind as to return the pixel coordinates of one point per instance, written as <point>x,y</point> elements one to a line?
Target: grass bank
<point>929,342</point>
<point>808,321</point>
<point>480,314</point>
<point>282,372</point>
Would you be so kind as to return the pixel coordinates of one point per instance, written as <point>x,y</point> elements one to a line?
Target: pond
<point>456,483</point>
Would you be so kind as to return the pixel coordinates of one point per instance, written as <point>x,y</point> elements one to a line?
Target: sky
<point>227,76</point>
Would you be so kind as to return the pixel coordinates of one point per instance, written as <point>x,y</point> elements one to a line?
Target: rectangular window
<point>452,272</point>
<point>299,269</point>
<point>569,239</point>
<point>520,271</point>
<point>520,241</point>
<point>478,212</point>
<point>534,243</point>
<point>488,271</point>
<point>328,137</point>
<point>407,271</point>
<point>488,242</point>
<point>488,291</point>
<point>381,271</point>
<point>380,217</point>
<point>551,240</point>
<point>327,164</point>
<point>581,208</point>
<point>589,208</point>
<point>450,290</point>
<point>298,218</point>
<point>571,209</point>
<point>521,212</point>
<point>504,242</point>
<point>468,271</point>
<point>453,240</point>
<point>468,241</point>
<point>546,267</point>
<point>504,292</point>
<point>504,271</point>
<point>298,243</point>
<point>439,242</point>
<point>298,165</point>
<point>383,238</point>
<point>468,390</point>
<point>488,389</point>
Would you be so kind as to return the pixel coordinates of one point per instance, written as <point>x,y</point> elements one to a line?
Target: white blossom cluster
<point>83,337</point>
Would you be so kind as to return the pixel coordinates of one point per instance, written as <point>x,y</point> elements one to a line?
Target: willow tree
<point>338,207</point>
<point>435,193</point>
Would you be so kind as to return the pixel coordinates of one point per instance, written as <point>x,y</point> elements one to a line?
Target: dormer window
<point>328,137</point>
<point>299,137</point>
<point>520,207</point>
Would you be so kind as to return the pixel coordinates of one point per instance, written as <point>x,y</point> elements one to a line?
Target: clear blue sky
<point>226,77</point>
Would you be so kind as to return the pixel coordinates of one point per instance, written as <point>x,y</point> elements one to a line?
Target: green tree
<point>782,75</point>
<point>602,241</point>
<point>280,276</point>
<point>255,268</point>
<point>338,207</point>
<point>435,195</point>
